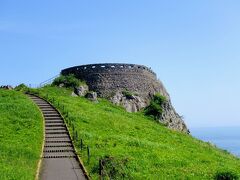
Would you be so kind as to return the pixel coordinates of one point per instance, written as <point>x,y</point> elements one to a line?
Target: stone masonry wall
<point>108,78</point>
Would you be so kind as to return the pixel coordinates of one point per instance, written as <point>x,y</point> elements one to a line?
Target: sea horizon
<point>226,138</point>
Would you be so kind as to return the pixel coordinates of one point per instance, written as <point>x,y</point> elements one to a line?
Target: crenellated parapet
<point>108,68</point>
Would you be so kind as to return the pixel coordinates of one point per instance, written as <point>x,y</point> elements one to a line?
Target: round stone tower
<point>108,78</point>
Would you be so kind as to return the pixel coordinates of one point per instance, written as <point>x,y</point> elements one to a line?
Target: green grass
<point>21,136</point>
<point>144,148</point>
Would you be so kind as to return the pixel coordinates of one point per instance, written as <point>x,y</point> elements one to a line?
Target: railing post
<point>81,144</point>
<point>76,136</point>
<point>88,153</point>
<point>100,168</point>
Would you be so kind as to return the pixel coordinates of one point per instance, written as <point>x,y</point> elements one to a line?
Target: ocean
<point>227,138</point>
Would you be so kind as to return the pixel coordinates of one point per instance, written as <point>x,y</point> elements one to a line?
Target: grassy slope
<point>153,151</point>
<point>20,136</point>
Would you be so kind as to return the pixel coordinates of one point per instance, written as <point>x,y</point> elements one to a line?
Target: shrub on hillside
<point>226,176</point>
<point>155,107</point>
<point>69,81</point>
<point>21,87</point>
<point>128,94</point>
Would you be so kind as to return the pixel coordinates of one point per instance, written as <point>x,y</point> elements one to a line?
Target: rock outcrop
<point>131,103</point>
<point>8,87</point>
<point>172,119</point>
<point>81,90</point>
<point>92,96</point>
<point>135,103</point>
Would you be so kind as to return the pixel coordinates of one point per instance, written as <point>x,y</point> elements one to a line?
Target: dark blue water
<point>227,138</point>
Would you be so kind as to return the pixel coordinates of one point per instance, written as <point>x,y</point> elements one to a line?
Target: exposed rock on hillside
<point>172,119</point>
<point>131,104</point>
<point>91,96</point>
<point>81,90</point>
<point>6,87</point>
<point>136,103</point>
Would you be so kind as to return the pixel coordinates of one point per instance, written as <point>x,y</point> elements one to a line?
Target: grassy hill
<point>21,136</point>
<point>133,146</point>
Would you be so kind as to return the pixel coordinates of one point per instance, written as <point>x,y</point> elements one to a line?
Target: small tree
<point>155,107</point>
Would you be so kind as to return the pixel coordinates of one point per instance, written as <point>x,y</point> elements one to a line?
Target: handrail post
<point>88,153</point>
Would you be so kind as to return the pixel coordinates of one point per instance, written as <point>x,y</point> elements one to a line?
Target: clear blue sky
<point>192,45</point>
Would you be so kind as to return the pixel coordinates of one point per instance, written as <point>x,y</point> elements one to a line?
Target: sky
<point>193,46</point>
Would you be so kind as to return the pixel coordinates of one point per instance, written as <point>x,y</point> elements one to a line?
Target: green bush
<point>155,108</point>
<point>69,81</point>
<point>128,94</point>
<point>21,87</point>
<point>159,99</point>
<point>226,176</point>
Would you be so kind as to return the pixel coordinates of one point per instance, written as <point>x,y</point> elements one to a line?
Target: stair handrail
<point>48,81</point>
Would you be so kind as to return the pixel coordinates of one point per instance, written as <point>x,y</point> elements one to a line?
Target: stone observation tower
<point>109,80</point>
